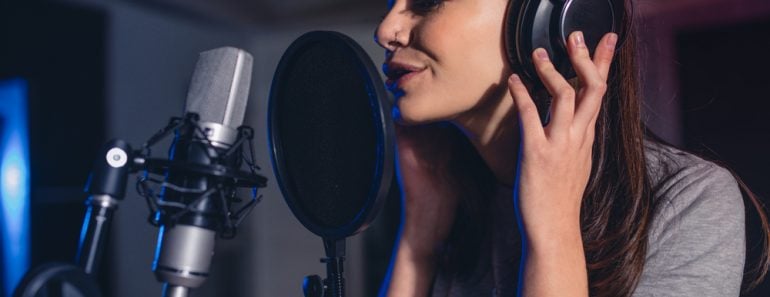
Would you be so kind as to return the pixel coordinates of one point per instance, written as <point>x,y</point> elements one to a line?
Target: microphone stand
<point>334,284</point>
<point>107,187</point>
<point>335,256</point>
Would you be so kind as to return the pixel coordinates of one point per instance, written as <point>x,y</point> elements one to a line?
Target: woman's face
<point>443,57</point>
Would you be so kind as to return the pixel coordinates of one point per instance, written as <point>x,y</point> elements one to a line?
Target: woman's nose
<point>393,31</point>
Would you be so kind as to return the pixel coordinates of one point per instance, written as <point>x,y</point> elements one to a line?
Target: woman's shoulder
<point>698,229</point>
<point>674,172</point>
<point>689,187</point>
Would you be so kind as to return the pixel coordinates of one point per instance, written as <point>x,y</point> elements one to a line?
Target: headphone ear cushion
<point>510,34</point>
<point>528,27</point>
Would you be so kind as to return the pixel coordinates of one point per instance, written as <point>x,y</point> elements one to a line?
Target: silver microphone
<point>218,93</point>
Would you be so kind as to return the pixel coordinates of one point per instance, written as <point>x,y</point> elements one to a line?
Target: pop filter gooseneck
<point>331,138</point>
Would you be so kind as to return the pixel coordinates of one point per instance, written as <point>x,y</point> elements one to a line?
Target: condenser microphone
<point>218,94</point>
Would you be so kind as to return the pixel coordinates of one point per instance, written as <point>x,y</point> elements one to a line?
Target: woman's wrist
<point>554,265</point>
<point>554,243</point>
<point>417,253</point>
<point>553,234</point>
<point>412,271</point>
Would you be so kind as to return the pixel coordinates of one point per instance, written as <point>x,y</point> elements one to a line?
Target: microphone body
<point>218,94</point>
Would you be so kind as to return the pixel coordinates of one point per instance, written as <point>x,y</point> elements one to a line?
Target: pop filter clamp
<point>107,187</point>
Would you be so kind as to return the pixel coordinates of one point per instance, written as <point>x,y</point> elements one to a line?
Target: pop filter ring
<point>383,127</point>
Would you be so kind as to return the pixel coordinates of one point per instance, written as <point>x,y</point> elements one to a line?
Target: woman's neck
<point>493,128</point>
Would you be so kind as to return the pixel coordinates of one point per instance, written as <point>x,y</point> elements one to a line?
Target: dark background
<point>726,107</point>
<point>104,69</point>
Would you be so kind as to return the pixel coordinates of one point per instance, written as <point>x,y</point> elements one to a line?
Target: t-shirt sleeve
<point>697,242</point>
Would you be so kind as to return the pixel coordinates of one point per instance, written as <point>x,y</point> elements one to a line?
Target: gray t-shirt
<point>696,244</point>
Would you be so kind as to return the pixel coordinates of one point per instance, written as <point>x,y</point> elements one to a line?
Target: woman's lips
<point>400,75</point>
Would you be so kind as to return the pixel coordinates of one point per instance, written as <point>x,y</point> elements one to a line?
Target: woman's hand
<point>429,205</point>
<point>554,167</point>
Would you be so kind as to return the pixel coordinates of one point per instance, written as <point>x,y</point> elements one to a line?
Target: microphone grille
<point>219,88</point>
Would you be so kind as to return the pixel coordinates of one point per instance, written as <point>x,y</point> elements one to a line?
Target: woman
<point>497,204</point>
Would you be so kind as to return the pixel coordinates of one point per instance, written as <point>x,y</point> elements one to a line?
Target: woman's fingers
<point>604,53</point>
<point>531,127</point>
<point>563,103</point>
<point>592,76</point>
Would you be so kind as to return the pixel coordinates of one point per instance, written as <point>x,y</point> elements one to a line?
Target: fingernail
<point>515,78</point>
<point>612,39</point>
<point>541,54</point>
<point>578,37</point>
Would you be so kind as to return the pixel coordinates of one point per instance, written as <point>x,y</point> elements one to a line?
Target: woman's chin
<point>405,115</point>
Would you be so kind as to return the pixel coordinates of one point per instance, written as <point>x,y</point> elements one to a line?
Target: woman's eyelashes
<point>425,6</point>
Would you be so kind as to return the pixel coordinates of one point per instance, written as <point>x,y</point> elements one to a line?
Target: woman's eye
<point>425,6</point>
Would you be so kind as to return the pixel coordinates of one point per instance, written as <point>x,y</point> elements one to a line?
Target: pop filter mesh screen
<point>326,129</point>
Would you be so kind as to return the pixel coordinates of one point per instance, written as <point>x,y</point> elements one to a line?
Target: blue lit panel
<point>14,182</point>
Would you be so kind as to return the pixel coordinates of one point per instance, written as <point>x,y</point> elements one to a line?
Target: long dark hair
<point>618,204</point>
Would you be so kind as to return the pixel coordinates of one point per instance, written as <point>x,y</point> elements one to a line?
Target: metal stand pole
<point>174,291</point>
<point>106,186</point>
<point>334,284</point>
<point>95,228</point>
<point>335,280</point>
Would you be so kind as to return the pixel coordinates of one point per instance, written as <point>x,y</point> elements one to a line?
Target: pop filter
<point>331,134</point>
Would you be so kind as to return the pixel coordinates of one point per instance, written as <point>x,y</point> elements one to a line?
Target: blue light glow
<point>14,182</point>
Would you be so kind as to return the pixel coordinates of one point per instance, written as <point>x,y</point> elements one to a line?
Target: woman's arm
<point>411,272</point>
<point>554,167</point>
<point>429,206</point>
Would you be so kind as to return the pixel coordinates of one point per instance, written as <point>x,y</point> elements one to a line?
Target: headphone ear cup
<point>594,18</point>
<point>548,23</point>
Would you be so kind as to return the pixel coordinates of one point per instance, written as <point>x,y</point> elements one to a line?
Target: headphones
<point>548,23</point>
